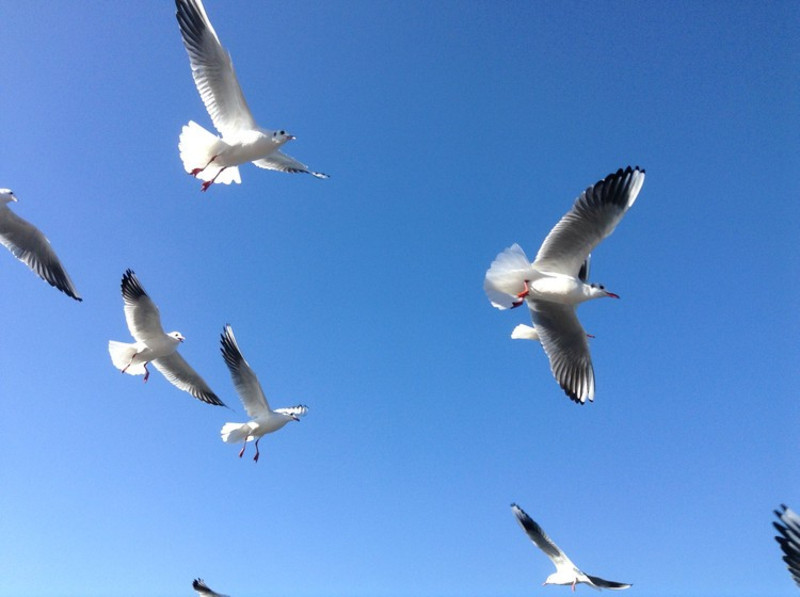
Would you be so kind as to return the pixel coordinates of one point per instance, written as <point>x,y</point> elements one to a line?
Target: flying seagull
<point>555,283</point>
<point>205,155</point>
<point>153,345</point>
<point>202,589</point>
<point>29,245</point>
<point>264,419</point>
<point>789,539</point>
<point>566,572</point>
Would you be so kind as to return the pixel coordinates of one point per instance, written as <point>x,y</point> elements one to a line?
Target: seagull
<point>264,419</point>
<point>205,155</point>
<point>29,245</point>
<point>789,540</point>
<point>153,345</point>
<point>567,573</point>
<point>555,283</point>
<point>202,589</point>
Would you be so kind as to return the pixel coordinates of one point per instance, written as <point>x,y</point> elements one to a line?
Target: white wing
<point>564,340</point>
<point>180,374</point>
<point>30,246</point>
<point>141,313</point>
<point>592,218</point>
<point>789,540</point>
<point>246,382</point>
<point>278,160</point>
<point>202,589</point>
<point>212,70</point>
<point>540,538</point>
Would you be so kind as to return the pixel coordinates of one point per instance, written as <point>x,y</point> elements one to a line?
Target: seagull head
<point>598,291</point>
<point>177,335</point>
<point>281,137</point>
<point>7,196</point>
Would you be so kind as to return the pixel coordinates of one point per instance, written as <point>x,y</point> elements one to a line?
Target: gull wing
<point>212,70</point>
<point>181,375</point>
<point>278,160</point>
<point>141,313</point>
<point>29,245</point>
<point>564,341</point>
<point>540,538</point>
<point>592,218</point>
<point>202,589</point>
<point>607,584</point>
<point>245,381</point>
<point>789,539</point>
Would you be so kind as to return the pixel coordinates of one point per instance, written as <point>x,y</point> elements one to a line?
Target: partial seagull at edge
<point>205,155</point>
<point>203,589</point>
<point>152,345</point>
<point>28,244</point>
<point>567,573</point>
<point>263,419</point>
<point>552,286</point>
<point>789,539</point>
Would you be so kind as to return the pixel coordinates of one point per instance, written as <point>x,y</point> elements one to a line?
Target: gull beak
<point>290,137</point>
<point>612,295</point>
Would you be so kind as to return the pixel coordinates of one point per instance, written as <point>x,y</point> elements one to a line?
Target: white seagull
<point>153,345</point>
<point>555,283</point>
<point>202,589</point>
<point>264,419</point>
<point>205,155</point>
<point>789,540</point>
<point>567,573</point>
<point>29,245</point>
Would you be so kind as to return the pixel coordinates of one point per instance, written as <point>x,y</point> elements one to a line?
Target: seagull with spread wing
<point>555,283</point>
<point>203,589</point>
<point>31,247</point>
<point>567,573</point>
<point>205,155</point>
<point>789,539</point>
<point>264,419</point>
<point>152,345</point>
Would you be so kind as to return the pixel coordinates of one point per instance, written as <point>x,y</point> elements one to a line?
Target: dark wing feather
<point>789,539</point>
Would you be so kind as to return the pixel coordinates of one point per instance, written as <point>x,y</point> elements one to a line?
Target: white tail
<point>235,432</point>
<point>197,146</point>
<point>506,277</point>
<point>121,355</point>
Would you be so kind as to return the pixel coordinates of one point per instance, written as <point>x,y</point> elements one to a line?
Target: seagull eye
<point>283,132</point>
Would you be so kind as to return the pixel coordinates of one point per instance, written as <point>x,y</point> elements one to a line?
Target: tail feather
<point>121,355</point>
<point>235,432</point>
<point>506,277</point>
<point>197,146</point>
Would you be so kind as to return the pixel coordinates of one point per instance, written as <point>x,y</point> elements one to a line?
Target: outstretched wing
<point>592,218</point>
<point>203,589</point>
<point>29,245</point>
<point>540,538</point>
<point>181,375</point>
<point>141,313</point>
<point>789,539</point>
<point>245,380</point>
<point>607,584</point>
<point>212,70</point>
<point>278,160</point>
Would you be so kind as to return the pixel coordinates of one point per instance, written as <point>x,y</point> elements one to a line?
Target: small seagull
<point>31,247</point>
<point>205,155</point>
<point>264,419</point>
<point>789,540</point>
<point>566,572</point>
<point>202,589</point>
<point>555,283</point>
<point>153,345</point>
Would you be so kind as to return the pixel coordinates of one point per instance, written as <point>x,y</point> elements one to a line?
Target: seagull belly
<point>249,147</point>
<point>557,288</point>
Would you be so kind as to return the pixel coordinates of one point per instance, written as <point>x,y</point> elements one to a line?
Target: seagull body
<point>263,419</point>
<point>789,539</point>
<point>555,282</point>
<point>29,245</point>
<point>152,345</point>
<point>203,589</point>
<point>567,573</point>
<point>205,155</point>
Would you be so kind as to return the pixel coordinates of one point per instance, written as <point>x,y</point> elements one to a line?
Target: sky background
<point>450,130</point>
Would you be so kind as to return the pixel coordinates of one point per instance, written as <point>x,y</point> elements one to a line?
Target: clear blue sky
<point>451,130</point>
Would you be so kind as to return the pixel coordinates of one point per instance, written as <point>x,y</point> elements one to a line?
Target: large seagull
<point>152,345</point>
<point>567,573</point>
<point>205,155</point>
<point>27,243</point>
<point>555,283</point>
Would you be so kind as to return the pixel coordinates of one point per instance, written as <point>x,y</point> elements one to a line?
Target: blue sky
<point>451,130</point>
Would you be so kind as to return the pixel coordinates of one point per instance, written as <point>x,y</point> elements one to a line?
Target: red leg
<point>241,452</point>
<point>521,296</point>
<point>208,183</point>
<point>197,171</point>
<point>146,373</point>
